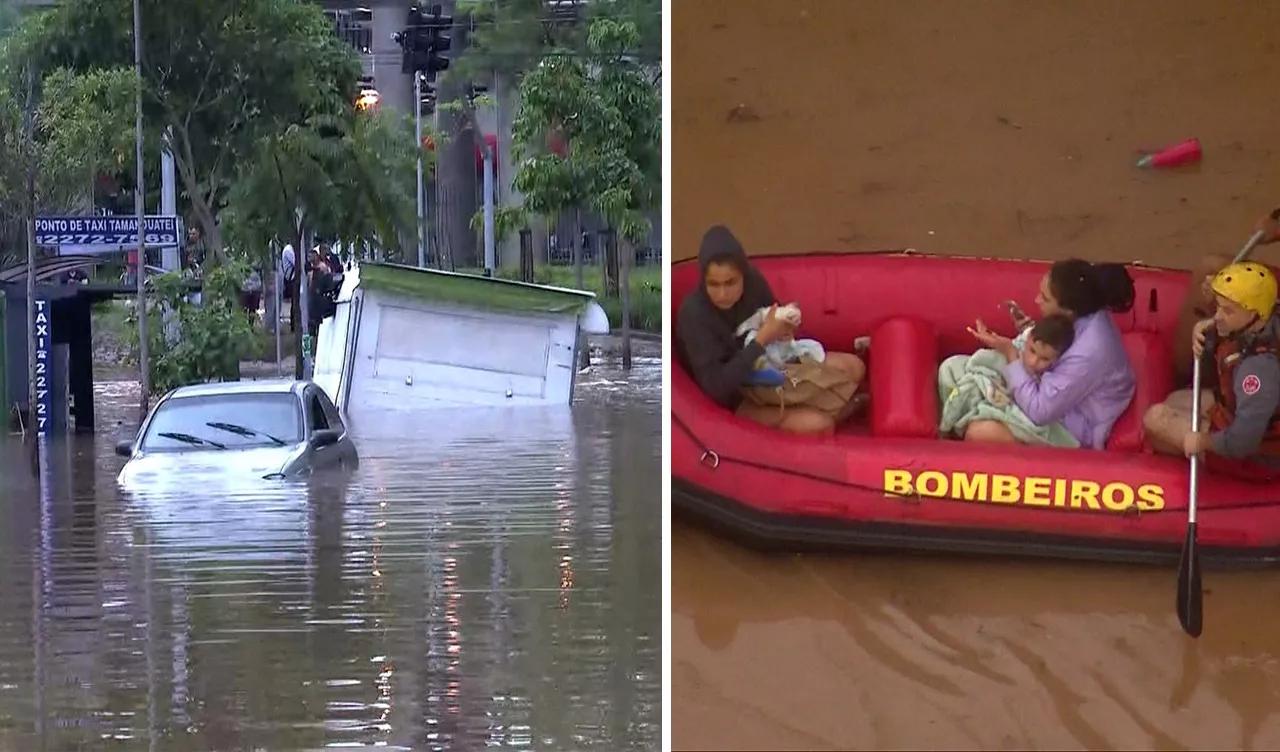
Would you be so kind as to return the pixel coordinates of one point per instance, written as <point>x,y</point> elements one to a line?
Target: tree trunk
<point>195,192</point>
<point>456,168</point>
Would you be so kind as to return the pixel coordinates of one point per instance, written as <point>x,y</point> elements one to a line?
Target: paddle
<point>1190,592</point>
<point>1253,240</point>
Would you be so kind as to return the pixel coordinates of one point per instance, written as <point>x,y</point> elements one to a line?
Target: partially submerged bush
<point>189,343</point>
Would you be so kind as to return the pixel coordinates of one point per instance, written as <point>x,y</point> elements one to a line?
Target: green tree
<point>513,36</point>
<point>211,338</point>
<point>82,127</point>
<point>84,130</point>
<point>218,76</point>
<point>608,116</point>
<point>628,179</point>
<point>351,178</point>
<point>377,175</point>
<point>557,102</point>
<point>507,38</point>
<point>82,124</point>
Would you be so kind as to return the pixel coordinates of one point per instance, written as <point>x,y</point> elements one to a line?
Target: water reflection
<point>493,580</point>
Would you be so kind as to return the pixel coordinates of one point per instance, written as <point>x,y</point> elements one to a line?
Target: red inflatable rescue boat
<point>886,480</point>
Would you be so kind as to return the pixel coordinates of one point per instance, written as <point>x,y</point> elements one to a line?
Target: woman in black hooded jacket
<point>731,291</point>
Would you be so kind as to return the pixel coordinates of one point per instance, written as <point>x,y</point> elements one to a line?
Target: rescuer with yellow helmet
<point>1241,435</point>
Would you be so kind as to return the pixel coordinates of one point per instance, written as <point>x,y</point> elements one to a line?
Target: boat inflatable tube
<point>885,480</point>
<point>904,378</point>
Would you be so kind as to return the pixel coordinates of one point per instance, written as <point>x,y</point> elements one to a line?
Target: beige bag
<point>809,384</point>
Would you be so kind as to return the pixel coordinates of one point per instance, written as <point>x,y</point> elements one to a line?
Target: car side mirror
<point>324,437</point>
<point>125,448</point>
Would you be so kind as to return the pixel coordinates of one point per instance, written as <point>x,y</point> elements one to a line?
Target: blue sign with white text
<point>106,233</point>
<point>44,346</point>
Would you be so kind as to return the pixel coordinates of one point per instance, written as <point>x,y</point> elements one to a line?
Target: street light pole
<point>139,202</point>
<point>30,155</point>
<point>417,129</point>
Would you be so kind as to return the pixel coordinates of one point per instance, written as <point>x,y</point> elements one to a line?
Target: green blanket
<point>972,387</point>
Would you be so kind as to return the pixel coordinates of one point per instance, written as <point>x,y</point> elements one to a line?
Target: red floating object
<point>1178,154</point>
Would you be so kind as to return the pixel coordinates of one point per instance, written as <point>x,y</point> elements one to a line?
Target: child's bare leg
<point>989,430</point>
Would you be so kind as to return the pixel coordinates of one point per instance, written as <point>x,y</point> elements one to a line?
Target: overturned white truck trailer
<point>409,338</point>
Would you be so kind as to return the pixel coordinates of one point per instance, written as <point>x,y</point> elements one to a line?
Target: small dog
<point>783,351</point>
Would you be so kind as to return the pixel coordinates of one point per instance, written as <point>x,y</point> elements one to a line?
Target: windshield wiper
<point>242,431</point>
<point>189,439</point>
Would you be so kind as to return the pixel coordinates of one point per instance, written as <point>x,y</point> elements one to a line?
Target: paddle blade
<point>1190,594</point>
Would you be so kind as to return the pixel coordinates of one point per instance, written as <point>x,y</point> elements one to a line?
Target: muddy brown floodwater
<point>983,128</point>
<point>484,578</point>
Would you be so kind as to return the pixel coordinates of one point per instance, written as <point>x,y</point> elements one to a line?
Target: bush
<point>189,343</point>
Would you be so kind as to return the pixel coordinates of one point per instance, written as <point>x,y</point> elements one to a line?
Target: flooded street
<point>990,129</point>
<point>492,579</point>
<point>893,651</point>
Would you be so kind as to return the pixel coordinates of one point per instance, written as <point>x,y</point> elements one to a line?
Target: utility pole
<point>422,43</point>
<point>490,247</point>
<point>171,258</point>
<point>29,118</point>
<point>139,202</point>
<point>417,137</point>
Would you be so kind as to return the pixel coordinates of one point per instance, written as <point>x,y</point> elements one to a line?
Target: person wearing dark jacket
<point>731,291</point>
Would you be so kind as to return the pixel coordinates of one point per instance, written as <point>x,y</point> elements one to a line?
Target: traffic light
<point>440,41</point>
<point>410,40</point>
<point>428,100</point>
<point>424,41</point>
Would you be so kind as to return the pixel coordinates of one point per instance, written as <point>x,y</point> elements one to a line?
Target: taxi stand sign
<point>106,234</point>
<point>44,346</point>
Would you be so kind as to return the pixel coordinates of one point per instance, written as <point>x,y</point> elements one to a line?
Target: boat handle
<point>715,459</point>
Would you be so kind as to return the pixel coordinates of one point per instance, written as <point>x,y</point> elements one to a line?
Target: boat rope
<point>714,459</point>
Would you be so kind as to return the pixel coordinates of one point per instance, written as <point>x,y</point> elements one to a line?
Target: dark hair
<point>720,246</point>
<point>1056,331</point>
<point>1084,288</point>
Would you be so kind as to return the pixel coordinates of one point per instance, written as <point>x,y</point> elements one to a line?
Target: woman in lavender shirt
<point>1092,383</point>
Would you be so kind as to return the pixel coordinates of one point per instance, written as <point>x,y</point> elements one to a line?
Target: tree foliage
<point>349,177</point>
<point>84,131</point>
<point>513,36</point>
<point>608,115</point>
<point>507,220</point>
<point>211,338</point>
<point>82,125</point>
<point>220,76</point>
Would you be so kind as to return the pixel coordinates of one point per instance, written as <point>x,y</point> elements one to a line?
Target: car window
<point>319,421</point>
<point>233,420</point>
<point>330,410</point>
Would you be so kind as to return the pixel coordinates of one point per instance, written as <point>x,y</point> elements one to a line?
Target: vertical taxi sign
<point>44,392</point>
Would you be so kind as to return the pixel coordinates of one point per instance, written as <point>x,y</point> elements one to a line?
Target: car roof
<point>265,386</point>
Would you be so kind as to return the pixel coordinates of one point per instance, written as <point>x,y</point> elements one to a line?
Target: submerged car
<point>246,429</point>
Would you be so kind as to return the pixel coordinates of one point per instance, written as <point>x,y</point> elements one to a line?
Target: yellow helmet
<point>1252,286</point>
